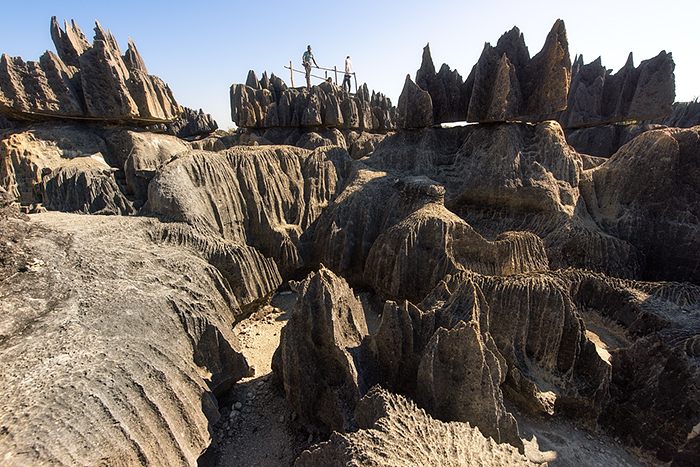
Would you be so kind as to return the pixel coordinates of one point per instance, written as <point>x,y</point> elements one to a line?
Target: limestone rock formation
<point>545,345</point>
<point>415,107</point>
<point>527,170</point>
<point>597,96</point>
<point>27,155</point>
<point>263,197</point>
<point>448,94</point>
<point>85,185</point>
<point>112,348</point>
<point>652,202</point>
<point>315,358</point>
<point>190,123</point>
<point>325,105</point>
<point>389,423</point>
<point>120,160</point>
<point>508,85</point>
<point>603,141</point>
<point>461,370</point>
<point>326,361</point>
<point>683,115</point>
<point>84,81</point>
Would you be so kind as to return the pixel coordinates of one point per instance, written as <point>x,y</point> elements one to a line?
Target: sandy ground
<point>258,429</point>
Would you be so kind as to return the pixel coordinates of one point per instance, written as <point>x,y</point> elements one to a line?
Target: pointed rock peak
<point>252,80</point>
<point>133,59</point>
<point>427,69</point>
<point>100,33</point>
<point>557,38</point>
<point>107,38</point>
<point>513,44</point>
<point>630,61</point>
<point>511,37</point>
<point>265,81</point>
<point>427,61</point>
<point>69,44</point>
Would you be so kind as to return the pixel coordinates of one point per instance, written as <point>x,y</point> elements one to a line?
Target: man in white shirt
<point>348,73</point>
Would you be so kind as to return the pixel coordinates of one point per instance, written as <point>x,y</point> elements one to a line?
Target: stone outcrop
<point>110,168</point>
<point>264,197</point>
<point>597,96</point>
<point>326,361</point>
<point>683,115</point>
<point>315,360</point>
<point>602,141</point>
<point>389,422</point>
<point>655,389</point>
<point>527,173</point>
<point>27,156</point>
<point>504,85</point>
<point>112,348</point>
<point>189,124</point>
<point>85,185</point>
<point>449,95</point>
<point>415,107</point>
<point>269,103</point>
<point>646,195</point>
<point>509,85</point>
<point>84,81</point>
<point>375,251</point>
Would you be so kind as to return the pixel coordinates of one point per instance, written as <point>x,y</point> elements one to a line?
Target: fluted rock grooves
<point>509,268</point>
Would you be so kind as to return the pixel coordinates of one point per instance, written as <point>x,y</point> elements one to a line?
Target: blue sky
<point>201,48</point>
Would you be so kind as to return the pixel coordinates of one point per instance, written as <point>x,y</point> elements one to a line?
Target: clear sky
<point>202,47</point>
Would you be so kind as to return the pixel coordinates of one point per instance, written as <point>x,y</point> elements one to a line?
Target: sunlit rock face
<point>84,81</point>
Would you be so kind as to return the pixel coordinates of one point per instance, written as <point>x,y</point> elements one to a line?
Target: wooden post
<point>291,72</point>
<point>335,70</point>
<point>355,82</point>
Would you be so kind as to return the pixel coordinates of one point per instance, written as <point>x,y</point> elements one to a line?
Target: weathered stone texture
<point>389,423</point>
<point>84,81</point>
<point>326,105</point>
<point>597,96</point>
<point>113,359</point>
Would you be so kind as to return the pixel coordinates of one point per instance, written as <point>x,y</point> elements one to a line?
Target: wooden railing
<point>334,70</point>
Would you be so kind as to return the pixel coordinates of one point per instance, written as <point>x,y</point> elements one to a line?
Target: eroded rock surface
<point>597,96</point>
<point>388,425</point>
<point>89,81</point>
<point>269,103</point>
<point>652,202</point>
<point>112,347</point>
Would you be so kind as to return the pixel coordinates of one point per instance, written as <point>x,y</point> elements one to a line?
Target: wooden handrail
<point>334,69</point>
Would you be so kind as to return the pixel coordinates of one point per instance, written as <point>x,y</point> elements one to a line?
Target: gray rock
<point>315,357</point>
<point>190,123</point>
<point>324,106</point>
<point>507,85</point>
<point>31,152</point>
<point>415,109</point>
<point>645,196</point>
<point>449,96</point>
<point>605,140</point>
<point>265,197</point>
<point>145,389</point>
<point>85,185</point>
<point>597,96</point>
<point>683,115</point>
<point>394,431</point>
<point>84,81</point>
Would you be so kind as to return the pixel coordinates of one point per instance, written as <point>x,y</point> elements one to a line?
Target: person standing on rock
<point>348,73</point>
<point>306,60</point>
